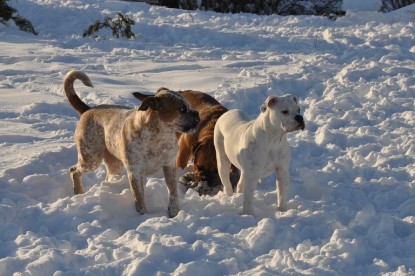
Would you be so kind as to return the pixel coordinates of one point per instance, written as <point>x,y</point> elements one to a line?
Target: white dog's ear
<point>271,101</point>
<point>295,99</point>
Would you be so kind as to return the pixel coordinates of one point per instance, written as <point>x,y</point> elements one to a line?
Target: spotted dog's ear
<point>141,96</point>
<point>148,101</point>
<point>295,99</point>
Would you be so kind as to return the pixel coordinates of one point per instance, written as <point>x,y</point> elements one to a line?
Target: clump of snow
<point>352,192</point>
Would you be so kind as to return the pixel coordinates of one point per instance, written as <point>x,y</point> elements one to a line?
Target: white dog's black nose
<point>300,121</point>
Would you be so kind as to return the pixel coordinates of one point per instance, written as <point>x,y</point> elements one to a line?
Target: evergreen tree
<point>8,13</point>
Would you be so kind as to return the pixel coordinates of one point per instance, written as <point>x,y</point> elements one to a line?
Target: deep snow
<point>352,193</point>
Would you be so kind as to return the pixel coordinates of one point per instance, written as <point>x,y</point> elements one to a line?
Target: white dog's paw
<point>228,189</point>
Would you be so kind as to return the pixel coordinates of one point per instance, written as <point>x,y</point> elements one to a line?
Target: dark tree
<point>8,13</point>
<point>174,4</point>
<point>390,5</point>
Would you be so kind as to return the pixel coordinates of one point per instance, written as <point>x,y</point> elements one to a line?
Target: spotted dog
<point>257,147</point>
<point>142,140</point>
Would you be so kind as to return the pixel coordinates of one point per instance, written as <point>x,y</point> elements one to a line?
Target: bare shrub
<point>120,26</point>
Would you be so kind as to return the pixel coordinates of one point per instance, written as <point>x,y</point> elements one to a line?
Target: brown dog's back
<point>199,100</point>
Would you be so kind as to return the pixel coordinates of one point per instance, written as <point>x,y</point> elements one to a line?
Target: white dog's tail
<point>73,99</point>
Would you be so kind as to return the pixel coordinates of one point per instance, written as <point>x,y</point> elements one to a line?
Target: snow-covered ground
<point>352,194</point>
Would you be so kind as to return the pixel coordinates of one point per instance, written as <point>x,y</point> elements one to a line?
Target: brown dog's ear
<point>162,89</point>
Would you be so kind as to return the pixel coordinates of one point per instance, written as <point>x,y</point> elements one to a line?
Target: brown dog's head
<point>205,166</point>
<point>206,170</point>
<point>172,108</point>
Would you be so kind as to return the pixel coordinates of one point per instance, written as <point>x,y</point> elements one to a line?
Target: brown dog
<point>142,140</point>
<point>205,178</point>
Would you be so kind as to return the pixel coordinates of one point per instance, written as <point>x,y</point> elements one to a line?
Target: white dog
<point>257,147</point>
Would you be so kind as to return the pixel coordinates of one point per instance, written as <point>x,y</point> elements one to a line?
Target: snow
<point>352,191</point>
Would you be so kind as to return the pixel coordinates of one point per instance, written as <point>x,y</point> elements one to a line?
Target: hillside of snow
<point>352,189</point>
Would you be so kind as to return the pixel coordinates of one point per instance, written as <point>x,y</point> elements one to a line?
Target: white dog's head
<point>284,112</point>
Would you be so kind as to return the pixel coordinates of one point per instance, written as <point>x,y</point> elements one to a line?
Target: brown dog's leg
<point>183,157</point>
<point>170,177</point>
<point>185,151</point>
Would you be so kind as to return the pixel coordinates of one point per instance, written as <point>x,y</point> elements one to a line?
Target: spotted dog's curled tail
<point>73,99</point>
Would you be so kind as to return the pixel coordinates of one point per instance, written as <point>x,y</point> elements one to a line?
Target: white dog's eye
<point>285,112</point>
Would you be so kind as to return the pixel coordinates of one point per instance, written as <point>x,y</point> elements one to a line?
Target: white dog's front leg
<point>170,177</point>
<point>282,187</point>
